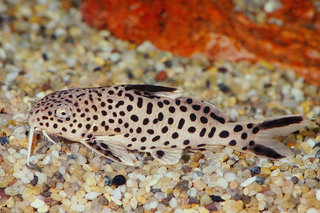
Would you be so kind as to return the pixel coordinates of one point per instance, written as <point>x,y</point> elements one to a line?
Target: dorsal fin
<point>160,91</point>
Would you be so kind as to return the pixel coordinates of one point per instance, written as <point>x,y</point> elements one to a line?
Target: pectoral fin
<point>116,147</point>
<point>167,156</point>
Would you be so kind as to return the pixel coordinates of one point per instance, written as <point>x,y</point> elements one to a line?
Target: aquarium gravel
<point>44,46</point>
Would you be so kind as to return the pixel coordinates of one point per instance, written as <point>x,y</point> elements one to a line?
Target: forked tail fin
<point>263,141</point>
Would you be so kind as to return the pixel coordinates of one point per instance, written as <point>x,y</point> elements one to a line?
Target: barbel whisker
<point>48,137</point>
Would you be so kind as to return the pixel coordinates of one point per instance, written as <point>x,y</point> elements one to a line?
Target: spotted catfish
<point>117,121</point>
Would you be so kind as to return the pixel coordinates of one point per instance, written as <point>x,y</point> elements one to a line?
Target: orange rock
<point>212,28</point>
<point>161,76</point>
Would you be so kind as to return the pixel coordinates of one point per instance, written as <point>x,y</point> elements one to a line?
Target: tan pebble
<point>6,180</point>
<point>243,163</point>
<point>205,199</point>
<point>203,210</point>
<point>304,189</point>
<point>56,197</point>
<point>141,200</point>
<point>161,76</point>
<point>246,191</point>
<point>277,180</point>
<point>232,205</point>
<point>87,168</point>
<point>266,64</point>
<point>194,206</point>
<point>288,205</point>
<point>28,209</point>
<point>287,187</point>
<point>80,194</point>
<point>309,194</point>
<point>10,202</point>
<point>193,164</point>
<point>199,185</point>
<point>197,156</point>
<point>28,195</point>
<point>284,166</point>
<point>83,151</point>
<point>274,167</point>
<point>262,205</point>
<point>95,166</point>
<point>54,208</point>
<point>170,191</point>
<point>265,170</point>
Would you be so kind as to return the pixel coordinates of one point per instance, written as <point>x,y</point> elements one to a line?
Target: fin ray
<point>167,156</point>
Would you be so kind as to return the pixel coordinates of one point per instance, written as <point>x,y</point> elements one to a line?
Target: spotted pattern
<point>145,120</point>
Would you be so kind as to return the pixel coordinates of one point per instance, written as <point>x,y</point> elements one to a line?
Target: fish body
<point>116,121</point>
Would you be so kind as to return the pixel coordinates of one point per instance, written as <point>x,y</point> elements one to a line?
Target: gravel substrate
<point>44,46</point>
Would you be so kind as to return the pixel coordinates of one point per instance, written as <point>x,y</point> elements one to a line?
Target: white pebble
<point>47,160</point>
<point>178,211</point>
<point>159,195</point>
<point>271,6</point>
<point>19,132</point>
<point>192,192</point>
<point>162,170</point>
<point>313,210</point>
<point>62,170</point>
<point>230,176</point>
<point>25,180</point>
<point>60,32</point>
<point>11,77</point>
<point>74,148</point>
<point>37,203</point>
<point>42,177</point>
<point>3,119</point>
<point>173,203</point>
<point>297,94</point>
<point>318,194</point>
<point>92,195</point>
<point>77,207</point>
<point>23,152</point>
<point>116,193</point>
<point>228,150</point>
<point>153,182</point>
<point>248,181</point>
<point>153,204</point>
<point>62,194</point>
<point>19,117</point>
<point>222,183</point>
<point>234,115</point>
<point>311,142</point>
<point>11,190</point>
<point>3,54</point>
<point>260,196</point>
<point>55,153</point>
<point>133,203</point>
<point>208,170</point>
<point>115,57</point>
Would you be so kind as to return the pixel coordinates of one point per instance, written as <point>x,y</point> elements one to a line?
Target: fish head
<point>56,114</point>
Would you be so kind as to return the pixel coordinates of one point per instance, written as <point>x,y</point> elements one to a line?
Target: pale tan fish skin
<point>116,121</point>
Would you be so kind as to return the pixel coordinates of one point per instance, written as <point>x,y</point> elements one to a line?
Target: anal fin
<point>167,156</point>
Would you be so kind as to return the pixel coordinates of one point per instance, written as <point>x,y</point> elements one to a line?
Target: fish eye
<point>63,111</point>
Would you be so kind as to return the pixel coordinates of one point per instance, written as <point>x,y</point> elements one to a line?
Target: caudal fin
<point>263,141</point>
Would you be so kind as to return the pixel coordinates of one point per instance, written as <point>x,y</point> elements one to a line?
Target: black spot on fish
<point>219,119</point>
